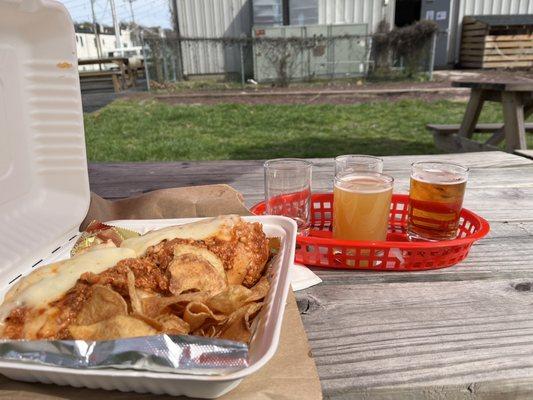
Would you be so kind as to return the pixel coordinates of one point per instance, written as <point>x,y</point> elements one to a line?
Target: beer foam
<point>363,184</point>
<point>439,177</point>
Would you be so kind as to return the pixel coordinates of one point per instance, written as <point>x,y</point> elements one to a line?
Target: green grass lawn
<point>153,131</point>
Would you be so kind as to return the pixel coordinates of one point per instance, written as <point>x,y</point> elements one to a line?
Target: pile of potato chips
<point>202,303</point>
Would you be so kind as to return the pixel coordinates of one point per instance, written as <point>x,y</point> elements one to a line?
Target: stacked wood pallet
<point>486,44</point>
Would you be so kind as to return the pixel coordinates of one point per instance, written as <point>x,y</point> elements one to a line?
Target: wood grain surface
<point>464,332</point>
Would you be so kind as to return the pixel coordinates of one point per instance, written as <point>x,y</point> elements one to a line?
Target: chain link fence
<point>291,55</point>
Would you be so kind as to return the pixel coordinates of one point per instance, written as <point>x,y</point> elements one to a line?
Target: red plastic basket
<point>395,254</point>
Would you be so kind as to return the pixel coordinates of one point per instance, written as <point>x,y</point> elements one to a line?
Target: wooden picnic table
<point>127,75</point>
<point>464,332</point>
<point>516,97</point>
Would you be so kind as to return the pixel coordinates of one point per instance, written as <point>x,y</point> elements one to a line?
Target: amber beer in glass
<point>435,200</point>
<point>361,206</point>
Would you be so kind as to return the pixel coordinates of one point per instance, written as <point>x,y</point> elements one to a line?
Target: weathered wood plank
<point>472,46</point>
<point>513,114</point>
<point>507,64</point>
<point>525,153</point>
<point>505,51</point>
<point>407,335</point>
<point>517,85</point>
<point>508,38</point>
<point>468,33</point>
<point>448,129</point>
<point>116,180</point>
<point>502,45</point>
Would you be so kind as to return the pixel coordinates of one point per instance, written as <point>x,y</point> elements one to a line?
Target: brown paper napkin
<point>190,202</point>
<point>291,374</point>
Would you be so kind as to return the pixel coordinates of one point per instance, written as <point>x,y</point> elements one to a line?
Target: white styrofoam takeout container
<point>44,193</point>
<point>262,347</point>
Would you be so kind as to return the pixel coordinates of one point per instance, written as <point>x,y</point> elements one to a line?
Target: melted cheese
<point>196,231</point>
<point>62,276</point>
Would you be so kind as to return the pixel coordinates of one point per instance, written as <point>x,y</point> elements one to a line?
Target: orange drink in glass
<point>361,206</point>
<point>435,200</point>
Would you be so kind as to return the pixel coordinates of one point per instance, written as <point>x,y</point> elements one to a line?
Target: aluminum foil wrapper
<point>185,354</point>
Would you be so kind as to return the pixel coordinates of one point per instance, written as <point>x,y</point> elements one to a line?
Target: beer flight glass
<point>435,200</point>
<point>288,190</point>
<point>362,197</point>
<point>357,162</point>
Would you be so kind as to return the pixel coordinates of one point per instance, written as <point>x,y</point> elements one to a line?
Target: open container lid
<point>44,187</point>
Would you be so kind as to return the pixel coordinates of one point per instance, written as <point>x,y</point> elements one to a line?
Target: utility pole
<point>96,33</point>
<point>134,26</point>
<point>116,26</point>
<point>178,60</point>
<point>131,11</point>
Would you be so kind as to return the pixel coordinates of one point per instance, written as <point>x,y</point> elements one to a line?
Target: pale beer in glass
<point>361,206</point>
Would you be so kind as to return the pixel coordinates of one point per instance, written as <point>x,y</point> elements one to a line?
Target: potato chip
<point>150,321</point>
<point>197,269</point>
<point>230,299</point>
<point>209,256</point>
<point>260,290</point>
<point>173,325</point>
<point>135,300</point>
<point>155,305</point>
<point>197,314</point>
<point>238,325</point>
<point>103,303</point>
<point>120,326</point>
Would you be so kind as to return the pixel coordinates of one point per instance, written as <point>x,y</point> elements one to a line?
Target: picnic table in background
<point>122,78</point>
<point>516,97</point>
<point>460,332</point>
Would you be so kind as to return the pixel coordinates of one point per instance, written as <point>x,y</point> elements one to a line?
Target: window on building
<point>95,44</point>
<point>77,39</point>
<point>81,41</point>
<point>103,42</point>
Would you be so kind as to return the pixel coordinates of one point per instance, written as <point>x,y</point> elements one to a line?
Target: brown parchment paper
<point>188,202</point>
<point>291,374</point>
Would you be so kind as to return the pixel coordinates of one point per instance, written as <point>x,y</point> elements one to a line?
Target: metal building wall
<point>495,7</point>
<point>369,12</point>
<point>212,19</point>
<point>482,7</point>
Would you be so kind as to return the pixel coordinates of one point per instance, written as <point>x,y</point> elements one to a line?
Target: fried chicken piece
<point>244,255</point>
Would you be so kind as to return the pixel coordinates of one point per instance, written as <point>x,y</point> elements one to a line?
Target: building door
<point>439,11</point>
<point>406,12</point>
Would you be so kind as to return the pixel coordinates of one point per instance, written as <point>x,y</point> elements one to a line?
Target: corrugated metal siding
<point>369,12</point>
<point>212,19</point>
<point>484,7</point>
<point>495,7</point>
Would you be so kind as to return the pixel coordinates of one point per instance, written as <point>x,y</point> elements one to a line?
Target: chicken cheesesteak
<point>206,278</point>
